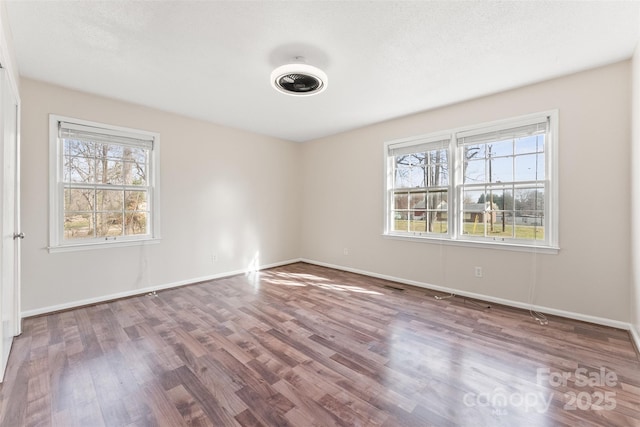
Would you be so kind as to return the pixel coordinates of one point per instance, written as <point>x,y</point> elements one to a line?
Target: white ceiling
<point>212,60</point>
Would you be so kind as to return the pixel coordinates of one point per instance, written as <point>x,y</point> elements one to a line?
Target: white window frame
<point>57,243</point>
<point>454,235</point>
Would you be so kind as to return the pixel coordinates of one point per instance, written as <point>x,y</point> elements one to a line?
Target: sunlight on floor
<point>302,280</point>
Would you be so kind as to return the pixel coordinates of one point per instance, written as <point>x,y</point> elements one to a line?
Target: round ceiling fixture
<point>299,79</point>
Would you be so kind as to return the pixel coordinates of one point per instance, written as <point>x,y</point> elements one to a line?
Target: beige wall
<point>343,201</point>
<point>223,191</point>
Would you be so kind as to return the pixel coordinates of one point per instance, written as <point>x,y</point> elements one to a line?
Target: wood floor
<point>303,345</point>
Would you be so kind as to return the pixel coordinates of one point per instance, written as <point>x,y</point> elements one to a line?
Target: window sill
<point>553,250</point>
<point>102,245</point>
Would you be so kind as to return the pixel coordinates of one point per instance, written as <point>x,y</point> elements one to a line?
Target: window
<point>420,189</point>
<point>103,184</point>
<point>488,184</point>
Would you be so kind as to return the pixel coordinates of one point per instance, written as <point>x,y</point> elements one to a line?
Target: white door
<point>10,221</point>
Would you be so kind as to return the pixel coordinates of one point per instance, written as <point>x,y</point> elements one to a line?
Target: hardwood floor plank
<point>220,384</point>
<point>308,346</point>
<point>14,389</point>
<point>306,409</point>
<point>215,412</point>
<point>90,343</point>
<point>247,419</point>
<point>347,413</point>
<point>163,409</point>
<point>262,408</point>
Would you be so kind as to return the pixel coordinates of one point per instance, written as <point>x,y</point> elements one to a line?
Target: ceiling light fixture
<point>299,79</point>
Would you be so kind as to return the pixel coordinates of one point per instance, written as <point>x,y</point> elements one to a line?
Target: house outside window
<point>103,185</point>
<point>493,184</point>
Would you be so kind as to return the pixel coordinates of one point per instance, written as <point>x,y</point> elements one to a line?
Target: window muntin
<point>496,184</point>
<point>103,190</point>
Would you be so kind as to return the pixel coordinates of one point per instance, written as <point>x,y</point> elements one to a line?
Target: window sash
<point>420,220</point>
<point>512,232</point>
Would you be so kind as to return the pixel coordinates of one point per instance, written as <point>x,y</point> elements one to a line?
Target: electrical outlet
<point>346,251</point>
<point>478,271</point>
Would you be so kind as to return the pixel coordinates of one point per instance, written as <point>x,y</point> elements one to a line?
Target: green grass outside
<point>525,232</point>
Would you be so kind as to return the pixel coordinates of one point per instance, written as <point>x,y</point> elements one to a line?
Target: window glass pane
<point>473,223</point>
<point>438,175</point>
<point>109,200</point>
<point>113,151</point>
<point>418,177</point>
<point>102,151</point>
<point>438,200</point>
<point>437,222</point>
<point>114,172</point>
<point>474,212</point>
<point>79,170</point>
<point>529,144</point>
<point>72,148</point>
<point>529,199</point>
<point>109,224</point>
<point>528,167</point>
<point>474,152</point>
<point>134,166</point>
<point>501,169</point>
<point>405,160</point>
<point>473,197</point>
<point>417,222</point>
<point>125,173</point>
<point>499,224</point>
<point>79,199</point>
<point>78,226</point>
<point>474,171</point>
<point>529,225</point>
<point>400,200</point>
<point>402,176</point>
<point>503,198</point>
<point>135,223</point>
<point>494,198</point>
<point>135,200</point>
<point>417,201</point>
<point>417,158</point>
<point>139,155</point>
<point>500,148</point>
<point>135,173</point>
<point>399,222</point>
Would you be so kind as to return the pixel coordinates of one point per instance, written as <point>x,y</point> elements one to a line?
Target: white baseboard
<point>142,291</point>
<point>553,311</point>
